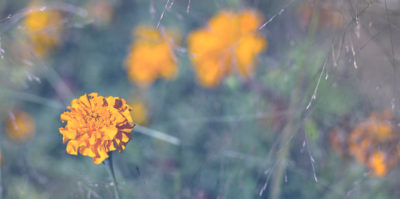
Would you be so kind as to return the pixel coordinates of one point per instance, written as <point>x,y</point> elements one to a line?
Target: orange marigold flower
<point>97,125</point>
<point>151,56</point>
<point>20,126</point>
<point>373,140</point>
<point>229,39</point>
<point>43,28</point>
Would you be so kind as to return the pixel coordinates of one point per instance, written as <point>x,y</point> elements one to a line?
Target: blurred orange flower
<point>151,56</point>
<point>229,39</point>
<point>373,141</point>
<point>140,113</point>
<point>97,125</point>
<point>43,28</point>
<point>20,126</point>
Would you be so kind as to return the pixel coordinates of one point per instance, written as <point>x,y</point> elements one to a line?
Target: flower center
<point>96,119</point>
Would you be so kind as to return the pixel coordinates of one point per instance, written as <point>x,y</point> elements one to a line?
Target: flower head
<point>151,56</point>
<point>374,143</point>
<point>97,125</point>
<point>43,28</point>
<point>230,39</point>
<point>20,126</point>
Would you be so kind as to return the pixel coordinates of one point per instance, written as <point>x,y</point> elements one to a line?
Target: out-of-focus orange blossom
<point>229,40</point>
<point>20,126</point>
<point>43,28</point>
<point>373,143</point>
<point>97,125</point>
<point>151,56</point>
<point>139,113</point>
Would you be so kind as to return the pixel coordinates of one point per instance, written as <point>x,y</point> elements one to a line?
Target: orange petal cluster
<point>374,143</point>
<point>43,28</point>
<point>96,125</point>
<point>20,126</point>
<point>151,56</point>
<point>230,39</point>
<point>377,163</point>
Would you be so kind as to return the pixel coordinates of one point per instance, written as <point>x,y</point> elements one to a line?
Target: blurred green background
<point>265,136</point>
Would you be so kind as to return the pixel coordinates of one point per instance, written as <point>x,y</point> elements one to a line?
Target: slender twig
<point>292,124</point>
<point>395,68</point>
<point>110,170</point>
<point>285,146</point>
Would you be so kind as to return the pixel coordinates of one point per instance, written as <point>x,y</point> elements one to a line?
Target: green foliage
<point>229,135</point>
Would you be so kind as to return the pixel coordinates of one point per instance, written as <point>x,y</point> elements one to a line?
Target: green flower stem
<point>110,170</point>
<point>283,153</point>
<point>293,123</point>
